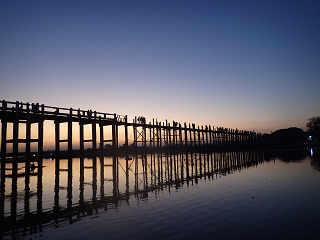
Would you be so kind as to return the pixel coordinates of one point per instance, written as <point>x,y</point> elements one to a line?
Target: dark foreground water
<point>233,195</point>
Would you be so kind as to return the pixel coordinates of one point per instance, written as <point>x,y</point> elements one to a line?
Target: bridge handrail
<point>59,111</point>
<point>89,114</point>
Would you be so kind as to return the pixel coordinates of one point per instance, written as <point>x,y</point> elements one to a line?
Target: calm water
<point>234,195</point>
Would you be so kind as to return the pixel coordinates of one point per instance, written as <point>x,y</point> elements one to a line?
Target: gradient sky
<point>236,64</point>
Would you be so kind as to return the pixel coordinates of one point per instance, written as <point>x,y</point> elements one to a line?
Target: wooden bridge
<point>149,135</point>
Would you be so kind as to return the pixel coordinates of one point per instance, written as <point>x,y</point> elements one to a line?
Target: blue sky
<point>238,64</point>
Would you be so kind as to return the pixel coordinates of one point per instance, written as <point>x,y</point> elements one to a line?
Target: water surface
<point>228,195</point>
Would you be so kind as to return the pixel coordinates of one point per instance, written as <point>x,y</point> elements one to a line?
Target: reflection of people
<point>32,167</point>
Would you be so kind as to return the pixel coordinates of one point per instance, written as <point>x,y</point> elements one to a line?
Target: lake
<point>228,195</point>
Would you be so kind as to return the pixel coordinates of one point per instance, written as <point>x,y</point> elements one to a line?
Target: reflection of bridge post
<point>136,174</point>
<point>14,196</point>
<point>81,186</point>
<point>115,179</point>
<point>145,179</point>
<point>206,164</point>
<point>56,190</point>
<point>102,177</point>
<point>2,195</point>
<point>192,165</point>
<point>175,167</point>
<point>69,190</point>
<point>39,195</point>
<point>200,164</point>
<point>187,168</point>
<point>94,183</point>
<point>27,190</point>
<point>212,166</point>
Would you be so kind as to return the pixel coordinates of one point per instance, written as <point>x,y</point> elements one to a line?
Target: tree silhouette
<point>313,126</point>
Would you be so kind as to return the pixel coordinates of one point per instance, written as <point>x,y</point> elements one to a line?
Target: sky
<point>251,65</point>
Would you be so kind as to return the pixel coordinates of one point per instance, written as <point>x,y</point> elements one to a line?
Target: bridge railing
<point>20,107</point>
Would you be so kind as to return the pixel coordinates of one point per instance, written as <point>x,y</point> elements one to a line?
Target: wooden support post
<point>166,137</point>
<point>28,137</point>
<point>150,135</point>
<point>28,142</point>
<point>81,135</point>
<point>154,133</point>
<point>115,176</point>
<point>194,136</point>
<point>101,138</point>
<point>199,138</point>
<point>15,137</point>
<point>158,141</point>
<point>57,135</point>
<point>144,134</point>
<point>159,133</point>
<point>126,141</point>
<point>180,137</point>
<point>40,134</point>
<point>134,134</point>
<point>207,141</point>
<point>210,137</point>
<point>114,134</point>
<point>70,134</point>
<point>69,189</point>
<point>4,125</point>
<point>185,136</point>
<point>94,135</point>
<point>203,140</point>
<point>169,136</point>
<point>3,160</point>
<point>190,135</point>
<point>214,136</point>
<point>174,133</point>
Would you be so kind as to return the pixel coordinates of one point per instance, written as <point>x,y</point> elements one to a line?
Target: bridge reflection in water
<point>64,191</point>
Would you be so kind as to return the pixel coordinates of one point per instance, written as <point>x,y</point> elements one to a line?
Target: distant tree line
<point>313,126</point>
<point>294,137</point>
